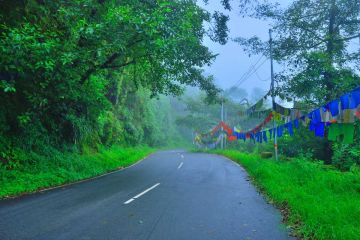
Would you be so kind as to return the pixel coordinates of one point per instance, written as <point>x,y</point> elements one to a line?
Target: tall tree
<point>312,39</point>
<point>63,62</point>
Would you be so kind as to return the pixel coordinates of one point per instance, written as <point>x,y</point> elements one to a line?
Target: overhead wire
<point>251,71</point>
<point>248,71</point>
<point>244,74</point>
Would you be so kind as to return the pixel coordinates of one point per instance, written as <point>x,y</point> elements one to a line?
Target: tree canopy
<point>311,39</point>
<point>63,63</point>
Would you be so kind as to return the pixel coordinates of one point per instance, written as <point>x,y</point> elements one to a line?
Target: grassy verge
<point>38,172</point>
<point>322,203</point>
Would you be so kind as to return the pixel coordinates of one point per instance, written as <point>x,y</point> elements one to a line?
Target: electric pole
<point>273,96</point>
<point>222,119</point>
<point>225,119</point>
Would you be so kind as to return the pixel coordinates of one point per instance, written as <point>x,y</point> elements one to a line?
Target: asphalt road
<point>169,195</point>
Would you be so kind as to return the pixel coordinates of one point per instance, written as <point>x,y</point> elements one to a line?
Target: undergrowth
<point>34,172</point>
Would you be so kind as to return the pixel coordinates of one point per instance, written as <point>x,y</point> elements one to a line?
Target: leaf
<point>9,89</point>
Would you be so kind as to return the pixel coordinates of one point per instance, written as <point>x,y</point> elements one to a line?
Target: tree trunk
<point>328,74</point>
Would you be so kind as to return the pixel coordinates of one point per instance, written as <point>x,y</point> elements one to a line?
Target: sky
<point>233,62</point>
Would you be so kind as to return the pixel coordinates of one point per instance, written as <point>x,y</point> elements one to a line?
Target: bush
<point>347,155</point>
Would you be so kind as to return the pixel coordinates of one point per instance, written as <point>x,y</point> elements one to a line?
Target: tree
<point>63,63</point>
<point>202,116</point>
<point>236,94</point>
<point>199,115</point>
<point>312,41</point>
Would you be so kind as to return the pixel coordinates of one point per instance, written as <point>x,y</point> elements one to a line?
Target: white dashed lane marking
<point>142,193</point>
<point>180,165</point>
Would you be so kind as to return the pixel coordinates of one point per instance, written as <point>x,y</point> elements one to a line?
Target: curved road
<point>169,195</point>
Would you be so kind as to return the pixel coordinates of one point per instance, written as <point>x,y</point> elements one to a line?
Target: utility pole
<point>225,117</point>
<point>222,119</point>
<point>273,96</point>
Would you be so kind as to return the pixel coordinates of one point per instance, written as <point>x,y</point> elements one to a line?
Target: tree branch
<point>109,61</point>
<point>349,22</point>
<point>316,44</point>
<point>348,38</point>
<point>119,65</point>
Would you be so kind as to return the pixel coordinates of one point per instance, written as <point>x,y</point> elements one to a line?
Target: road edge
<point>42,190</point>
<point>284,210</point>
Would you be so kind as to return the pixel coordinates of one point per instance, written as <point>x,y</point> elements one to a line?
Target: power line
<point>246,75</point>
<point>248,71</point>
<point>242,76</point>
<point>250,68</point>
<point>251,72</point>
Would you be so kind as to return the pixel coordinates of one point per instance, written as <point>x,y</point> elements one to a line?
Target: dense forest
<point>83,74</point>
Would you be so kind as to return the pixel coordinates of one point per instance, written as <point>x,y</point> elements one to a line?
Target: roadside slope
<point>57,169</point>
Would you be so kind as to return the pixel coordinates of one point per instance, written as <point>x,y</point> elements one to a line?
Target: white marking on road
<point>142,193</point>
<point>180,165</point>
<point>147,190</point>
<point>182,156</point>
<point>129,201</point>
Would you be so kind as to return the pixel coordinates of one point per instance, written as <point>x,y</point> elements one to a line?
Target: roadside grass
<point>36,172</point>
<point>320,203</point>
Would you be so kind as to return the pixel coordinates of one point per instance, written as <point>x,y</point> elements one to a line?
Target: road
<point>169,195</point>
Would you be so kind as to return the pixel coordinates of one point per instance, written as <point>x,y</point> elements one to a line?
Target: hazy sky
<point>232,61</point>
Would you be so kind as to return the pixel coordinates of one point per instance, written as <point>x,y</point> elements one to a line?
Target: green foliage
<point>321,203</point>
<point>111,130</point>
<point>82,72</point>
<point>347,156</point>
<point>247,146</point>
<point>303,142</point>
<point>148,121</point>
<point>202,116</point>
<point>312,40</point>
<point>33,171</point>
<point>220,30</point>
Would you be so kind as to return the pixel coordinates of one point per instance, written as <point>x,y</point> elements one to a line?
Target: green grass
<point>323,203</point>
<point>38,172</point>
